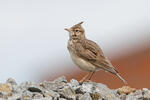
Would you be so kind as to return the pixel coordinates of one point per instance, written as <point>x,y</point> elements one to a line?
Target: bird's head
<point>76,31</point>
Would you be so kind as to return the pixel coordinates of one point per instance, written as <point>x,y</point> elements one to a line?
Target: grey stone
<point>74,83</point>
<point>60,89</point>
<point>52,85</point>
<point>15,97</point>
<point>27,95</point>
<point>103,90</point>
<point>147,95</point>
<point>11,81</point>
<point>60,79</point>
<point>131,98</point>
<point>37,95</point>
<point>86,96</point>
<point>16,89</point>
<point>51,93</point>
<point>122,96</point>
<point>78,96</point>
<point>27,85</point>
<point>67,92</point>
<point>138,94</point>
<point>87,87</point>
<point>47,98</point>
<point>62,99</point>
<point>4,95</point>
<point>145,89</point>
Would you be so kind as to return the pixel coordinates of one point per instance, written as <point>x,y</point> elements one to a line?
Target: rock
<point>131,97</point>
<point>86,96</point>
<point>95,96</point>
<point>27,95</point>
<point>99,89</point>
<point>74,84</point>
<point>126,90</point>
<point>52,85</point>
<point>11,81</point>
<point>60,89</point>
<point>105,92</point>
<point>47,98</point>
<point>67,92</point>
<point>87,87</point>
<point>122,96</point>
<point>146,93</point>
<point>50,93</point>
<point>60,79</point>
<point>5,87</point>
<point>78,96</point>
<point>138,95</point>
<point>34,89</point>
<point>62,99</point>
<point>5,90</point>
<point>15,97</point>
<point>37,95</point>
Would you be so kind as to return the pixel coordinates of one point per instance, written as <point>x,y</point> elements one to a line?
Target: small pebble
<point>126,90</point>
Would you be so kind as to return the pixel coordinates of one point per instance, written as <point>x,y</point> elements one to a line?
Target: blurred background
<point>33,42</point>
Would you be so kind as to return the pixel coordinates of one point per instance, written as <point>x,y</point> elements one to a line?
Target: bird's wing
<point>90,51</point>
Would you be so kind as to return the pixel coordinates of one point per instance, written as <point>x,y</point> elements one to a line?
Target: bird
<point>87,54</point>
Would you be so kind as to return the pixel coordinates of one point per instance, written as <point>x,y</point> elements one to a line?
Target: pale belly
<point>81,63</point>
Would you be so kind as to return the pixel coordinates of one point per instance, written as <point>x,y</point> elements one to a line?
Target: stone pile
<point>60,89</point>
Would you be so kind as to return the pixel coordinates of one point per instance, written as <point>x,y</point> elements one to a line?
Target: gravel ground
<point>60,89</point>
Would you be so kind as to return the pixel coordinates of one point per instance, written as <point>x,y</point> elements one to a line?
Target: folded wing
<point>90,51</point>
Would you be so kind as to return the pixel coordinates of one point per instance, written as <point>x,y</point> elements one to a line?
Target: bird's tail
<point>114,71</point>
<point>125,82</point>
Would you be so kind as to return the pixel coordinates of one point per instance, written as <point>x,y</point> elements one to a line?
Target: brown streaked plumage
<point>87,54</point>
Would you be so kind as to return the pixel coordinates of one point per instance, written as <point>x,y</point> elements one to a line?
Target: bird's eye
<point>77,30</point>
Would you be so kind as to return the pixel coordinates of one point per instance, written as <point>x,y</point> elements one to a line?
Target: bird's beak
<point>80,23</point>
<point>67,29</point>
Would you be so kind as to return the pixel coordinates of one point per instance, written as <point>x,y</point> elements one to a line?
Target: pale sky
<point>33,40</point>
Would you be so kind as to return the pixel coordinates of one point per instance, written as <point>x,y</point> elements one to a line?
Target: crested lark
<point>87,54</point>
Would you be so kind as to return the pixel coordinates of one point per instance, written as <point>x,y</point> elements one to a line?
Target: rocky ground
<point>60,89</point>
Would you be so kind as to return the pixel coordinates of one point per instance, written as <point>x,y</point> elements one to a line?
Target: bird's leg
<point>84,78</point>
<point>91,75</point>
